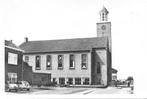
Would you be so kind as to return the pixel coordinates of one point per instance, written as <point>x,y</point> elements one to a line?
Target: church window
<point>84,61</point>
<point>48,62</point>
<point>72,61</point>
<point>60,61</point>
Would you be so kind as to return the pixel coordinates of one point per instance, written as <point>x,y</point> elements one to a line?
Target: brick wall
<point>13,68</point>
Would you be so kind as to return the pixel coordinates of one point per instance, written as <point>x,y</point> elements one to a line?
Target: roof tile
<point>64,44</point>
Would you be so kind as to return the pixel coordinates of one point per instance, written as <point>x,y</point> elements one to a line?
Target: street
<point>81,91</point>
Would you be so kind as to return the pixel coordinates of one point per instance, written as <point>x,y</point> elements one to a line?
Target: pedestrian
<point>128,83</point>
<point>115,83</point>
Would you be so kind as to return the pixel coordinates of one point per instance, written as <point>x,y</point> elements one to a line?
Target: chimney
<point>10,41</point>
<point>26,39</point>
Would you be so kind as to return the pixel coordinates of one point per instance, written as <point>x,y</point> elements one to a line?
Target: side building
<point>13,62</point>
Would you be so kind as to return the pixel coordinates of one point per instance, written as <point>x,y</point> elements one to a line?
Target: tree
<point>130,78</point>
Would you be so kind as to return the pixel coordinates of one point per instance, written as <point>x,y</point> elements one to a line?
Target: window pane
<point>26,58</point>
<point>12,58</point>
<point>37,62</point>
<point>72,61</point>
<point>86,81</point>
<point>61,80</point>
<point>60,61</point>
<point>48,61</point>
<point>12,77</point>
<point>70,80</point>
<point>77,81</point>
<point>84,61</point>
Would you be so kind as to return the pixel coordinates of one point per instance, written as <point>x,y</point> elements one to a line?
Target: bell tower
<point>103,14</point>
<point>104,30</point>
<point>104,27</point>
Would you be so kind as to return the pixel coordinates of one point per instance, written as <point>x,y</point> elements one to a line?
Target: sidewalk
<point>108,90</point>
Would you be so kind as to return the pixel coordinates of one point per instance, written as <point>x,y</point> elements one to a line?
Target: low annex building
<point>81,61</point>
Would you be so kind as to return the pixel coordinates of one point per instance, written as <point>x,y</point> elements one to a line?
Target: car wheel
<point>28,89</point>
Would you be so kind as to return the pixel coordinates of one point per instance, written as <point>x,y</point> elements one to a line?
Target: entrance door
<point>99,72</point>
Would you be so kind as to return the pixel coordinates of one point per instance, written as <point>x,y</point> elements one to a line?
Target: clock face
<point>103,27</point>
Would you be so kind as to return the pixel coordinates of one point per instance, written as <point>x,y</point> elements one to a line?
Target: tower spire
<point>104,14</point>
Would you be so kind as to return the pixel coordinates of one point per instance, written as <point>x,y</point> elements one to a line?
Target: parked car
<point>11,86</point>
<point>23,85</point>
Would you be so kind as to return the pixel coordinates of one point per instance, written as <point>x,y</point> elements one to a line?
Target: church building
<point>80,61</point>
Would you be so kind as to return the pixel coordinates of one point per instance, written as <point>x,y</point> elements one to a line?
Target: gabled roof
<point>64,45</point>
<point>9,43</point>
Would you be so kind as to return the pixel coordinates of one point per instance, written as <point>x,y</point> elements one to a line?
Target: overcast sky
<point>62,19</point>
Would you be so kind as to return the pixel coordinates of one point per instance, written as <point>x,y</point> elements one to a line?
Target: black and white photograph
<point>81,48</point>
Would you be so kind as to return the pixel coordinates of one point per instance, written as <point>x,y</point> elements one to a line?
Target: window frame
<point>70,81</point>
<point>84,62</point>
<point>86,81</point>
<point>78,81</point>
<point>60,68</point>
<point>47,66</point>
<point>73,60</point>
<point>27,59</point>
<point>12,77</point>
<point>38,67</point>
<point>12,58</point>
<point>61,80</point>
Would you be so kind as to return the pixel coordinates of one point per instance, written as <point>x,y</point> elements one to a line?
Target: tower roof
<point>104,10</point>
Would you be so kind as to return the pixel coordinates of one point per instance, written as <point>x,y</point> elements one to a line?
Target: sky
<point>65,19</point>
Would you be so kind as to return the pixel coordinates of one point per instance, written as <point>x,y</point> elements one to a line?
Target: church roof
<point>78,44</point>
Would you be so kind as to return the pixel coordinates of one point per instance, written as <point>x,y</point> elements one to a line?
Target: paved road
<point>82,91</point>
